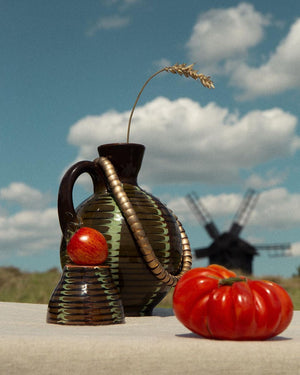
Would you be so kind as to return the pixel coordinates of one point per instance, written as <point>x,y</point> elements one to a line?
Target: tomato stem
<point>231,280</point>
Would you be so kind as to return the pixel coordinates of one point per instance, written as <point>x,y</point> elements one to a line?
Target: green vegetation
<point>29,287</point>
<point>37,287</point>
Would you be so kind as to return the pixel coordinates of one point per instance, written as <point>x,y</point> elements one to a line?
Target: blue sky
<point>70,72</point>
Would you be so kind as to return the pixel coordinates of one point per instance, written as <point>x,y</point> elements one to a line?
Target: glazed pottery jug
<point>85,295</point>
<point>148,248</point>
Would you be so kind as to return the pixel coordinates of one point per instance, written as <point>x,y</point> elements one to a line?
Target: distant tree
<point>298,272</point>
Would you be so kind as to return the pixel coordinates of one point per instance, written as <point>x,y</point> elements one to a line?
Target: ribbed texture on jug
<point>85,296</point>
<point>140,290</point>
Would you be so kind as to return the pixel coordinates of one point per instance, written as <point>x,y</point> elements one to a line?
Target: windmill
<point>227,248</point>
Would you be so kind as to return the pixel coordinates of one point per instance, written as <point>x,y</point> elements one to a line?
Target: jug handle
<point>66,212</point>
<point>138,232</point>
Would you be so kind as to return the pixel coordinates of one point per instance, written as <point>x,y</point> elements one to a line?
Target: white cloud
<point>186,142</point>
<point>131,2</point>
<point>33,230</point>
<point>117,20</point>
<point>163,62</point>
<point>277,209</point>
<point>109,23</point>
<point>121,3</point>
<point>279,73</point>
<point>295,249</point>
<point>222,38</point>
<point>225,33</point>
<point>34,227</point>
<point>24,195</point>
<point>215,205</point>
<point>274,210</point>
<point>270,179</point>
<point>29,231</point>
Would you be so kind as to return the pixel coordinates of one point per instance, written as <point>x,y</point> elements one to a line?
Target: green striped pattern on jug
<point>139,289</point>
<point>85,295</point>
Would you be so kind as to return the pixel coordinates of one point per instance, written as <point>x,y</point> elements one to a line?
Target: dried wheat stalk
<point>181,69</point>
<point>188,71</point>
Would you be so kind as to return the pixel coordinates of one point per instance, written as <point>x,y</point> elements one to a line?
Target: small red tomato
<point>87,246</point>
<point>216,303</point>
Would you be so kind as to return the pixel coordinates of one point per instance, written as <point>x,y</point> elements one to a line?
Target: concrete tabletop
<point>159,344</point>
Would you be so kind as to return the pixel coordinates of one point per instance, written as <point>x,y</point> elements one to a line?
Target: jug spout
<point>126,157</point>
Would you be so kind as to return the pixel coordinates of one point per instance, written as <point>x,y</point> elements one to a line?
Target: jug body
<point>140,289</point>
<point>85,295</point>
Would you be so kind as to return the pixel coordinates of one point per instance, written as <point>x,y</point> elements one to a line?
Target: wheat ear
<point>182,70</point>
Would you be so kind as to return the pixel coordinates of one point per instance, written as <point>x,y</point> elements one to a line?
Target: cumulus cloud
<point>108,23</point>
<point>117,20</point>
<point>295,249</point>
<point>215,205</point>
<point>186,142</point>
<point>274,210</point>
<point>279,73</point>
<point>221,42</point>
<point>33,228</point>
<point>225,33</point>
<point>163,62</point>
<point>24,195</point>
<point>120,3</point>
<point>29,231</point>
<point>270,179</point>
<point>129,2</point>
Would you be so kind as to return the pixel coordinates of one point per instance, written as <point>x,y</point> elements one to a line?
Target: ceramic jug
<point>148,248</point>
<point>85,295</point>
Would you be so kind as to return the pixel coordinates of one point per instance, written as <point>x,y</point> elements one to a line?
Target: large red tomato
<point>216,303</point>
<point>87,246</point>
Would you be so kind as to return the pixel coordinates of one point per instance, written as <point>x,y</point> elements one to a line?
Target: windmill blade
<point>197,207</point>
<point>244,211</point>
<point>274,246</point>
<point>202,215</point>
<point>279,253</point>
<point>203,252</point>
<point>276,249</point>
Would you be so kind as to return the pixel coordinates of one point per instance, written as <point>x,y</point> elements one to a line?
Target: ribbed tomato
<point>216,303</point>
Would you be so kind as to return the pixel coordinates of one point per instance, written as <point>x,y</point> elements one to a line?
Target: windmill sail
<point>276,249</point>
<point>244,211</point>
<point>202,215</point>
<point>227,248</point>
<point>274,246</point>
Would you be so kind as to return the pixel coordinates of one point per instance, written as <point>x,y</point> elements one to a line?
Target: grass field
<point>36,287</point>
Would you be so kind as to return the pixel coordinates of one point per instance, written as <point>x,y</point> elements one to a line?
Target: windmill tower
<point>228,249</point>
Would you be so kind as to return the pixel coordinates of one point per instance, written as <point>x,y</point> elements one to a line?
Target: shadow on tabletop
<point>163,312</point>
<point>192,335</point>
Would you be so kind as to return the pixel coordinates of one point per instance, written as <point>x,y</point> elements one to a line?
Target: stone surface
<point>143,345</point>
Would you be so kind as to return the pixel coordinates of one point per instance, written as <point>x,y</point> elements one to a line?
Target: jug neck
<point>126,158</point>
